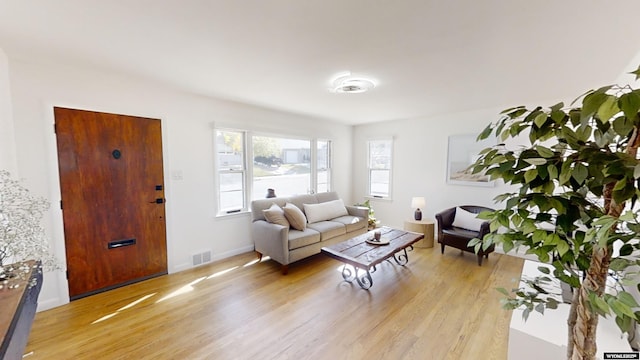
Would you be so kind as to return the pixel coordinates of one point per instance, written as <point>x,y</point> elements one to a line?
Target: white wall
<point>7,144</point>
<point>420,164</point>
<point>187,122</point>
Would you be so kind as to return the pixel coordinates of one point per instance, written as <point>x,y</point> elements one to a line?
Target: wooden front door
<point>112,186</point>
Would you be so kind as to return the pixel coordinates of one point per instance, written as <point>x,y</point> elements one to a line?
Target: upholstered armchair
<point>456,228</point>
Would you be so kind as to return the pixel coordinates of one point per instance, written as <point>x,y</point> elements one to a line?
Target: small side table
<point>425,227</point>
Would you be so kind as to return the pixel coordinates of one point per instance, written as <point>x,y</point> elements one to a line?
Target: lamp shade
<point>417,202</point>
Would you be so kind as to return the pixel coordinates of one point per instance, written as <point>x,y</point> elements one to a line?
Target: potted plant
<point>576,180</point>
<point>22,237</point>
<point>373,223</point>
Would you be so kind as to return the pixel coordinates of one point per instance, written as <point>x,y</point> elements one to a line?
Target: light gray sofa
<point>286,245</point>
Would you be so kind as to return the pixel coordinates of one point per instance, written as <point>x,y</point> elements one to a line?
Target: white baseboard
<point>215,257</point>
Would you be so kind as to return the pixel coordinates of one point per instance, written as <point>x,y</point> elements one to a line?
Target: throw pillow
<point>295,216</point>
<point>467,220</point>
<point>325,211</point>
<point>275,215</point>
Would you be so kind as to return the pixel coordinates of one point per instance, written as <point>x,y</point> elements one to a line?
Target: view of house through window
<point>379,155</point>
<point>280,164</point>
<point>231,170</point>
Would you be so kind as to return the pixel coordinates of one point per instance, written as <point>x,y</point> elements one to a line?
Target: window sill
<point>227,215</point>
<point>378,198</point>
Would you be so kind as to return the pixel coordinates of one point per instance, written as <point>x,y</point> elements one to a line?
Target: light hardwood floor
<point>436,307</point>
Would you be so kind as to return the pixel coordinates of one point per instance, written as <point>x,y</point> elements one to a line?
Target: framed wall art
<point>463,151</point>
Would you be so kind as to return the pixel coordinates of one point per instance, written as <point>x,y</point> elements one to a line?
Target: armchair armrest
<point>484,230</point>
<point>271,240</point>
<point>445,218</point>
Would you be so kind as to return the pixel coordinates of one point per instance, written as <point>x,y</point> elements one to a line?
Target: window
<point>231,170</point>
<point>379,164</point>
<point>281,164</point>
<point>323,177</point>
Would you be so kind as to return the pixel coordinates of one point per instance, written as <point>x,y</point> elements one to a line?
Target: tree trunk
<point>584,330</point>
<point>571,321</point>
<point>583,334</point>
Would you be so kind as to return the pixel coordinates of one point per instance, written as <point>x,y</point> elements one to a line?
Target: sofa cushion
<point>300,200</point>
<point>275,215</point>
<point>352,223</point>
<point>295,216</point>
<point>298,239</point>
<point>328,229</point>
<point>324,211</point>
<point>466,220</point>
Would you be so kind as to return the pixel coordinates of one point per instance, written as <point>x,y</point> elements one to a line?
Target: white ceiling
<point>429,57</point>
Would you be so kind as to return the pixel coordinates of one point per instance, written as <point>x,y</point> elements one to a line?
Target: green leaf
<point>608,108</point>
<point>580,173</point>
<point>620,184</point>
<point>553,171</point>
<point>636,171</point>
<point>627,299</point>
<point>592,103</point>
<point>598,303</point>
<point>636,73</point>
<point>619,264</point>
<point>485,133</point>
<point>583,133</point>
<point>530,175</point>
<point>630,104</point>
<point>621,309</point>
<point>540,119</point>
<point>536,161</point>
<point>565,173</point>
<point>544,152</point>
<point>503,291</point>
<point>544,270</point>
<point>507,246</point>
<point>557,106</point>
<point>626,250</point>
<point>622,125</point>
<point>562,247</point>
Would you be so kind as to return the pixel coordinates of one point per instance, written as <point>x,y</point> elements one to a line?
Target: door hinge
<point>55,128</point>
<point>60,204</point>
<point>67,273</point>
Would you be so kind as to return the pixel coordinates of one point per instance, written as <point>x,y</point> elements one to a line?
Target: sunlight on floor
<point>182,290</point>
<point>128,306</point>
<point>134,303</point>
<point>253,262</point>
<point>185,289</point>
<point>220,273</point>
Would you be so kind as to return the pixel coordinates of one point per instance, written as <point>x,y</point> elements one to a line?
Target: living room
<point>30,86</point>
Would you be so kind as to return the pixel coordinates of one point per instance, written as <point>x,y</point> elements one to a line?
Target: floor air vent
<point>201,258</point>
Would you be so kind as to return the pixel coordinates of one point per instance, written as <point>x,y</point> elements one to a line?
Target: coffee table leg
<point>401,259</point>
<point>351,273</point>
<point>347,274</point>
<point>365,281</point>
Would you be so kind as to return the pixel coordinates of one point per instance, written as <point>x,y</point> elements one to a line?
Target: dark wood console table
<point>17,310</point>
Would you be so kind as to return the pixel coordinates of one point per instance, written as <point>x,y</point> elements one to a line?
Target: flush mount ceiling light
<point>348,83</point>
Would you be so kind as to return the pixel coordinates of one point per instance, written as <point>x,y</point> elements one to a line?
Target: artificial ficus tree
<point>576,178</point>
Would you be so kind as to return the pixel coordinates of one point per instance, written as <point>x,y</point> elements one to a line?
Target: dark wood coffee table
<point>362,255</point>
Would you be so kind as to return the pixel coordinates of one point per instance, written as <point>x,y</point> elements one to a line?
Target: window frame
<point>247,168</point>
<point>317,168</point>
<point>219,171</point>
<point>370,169</point>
